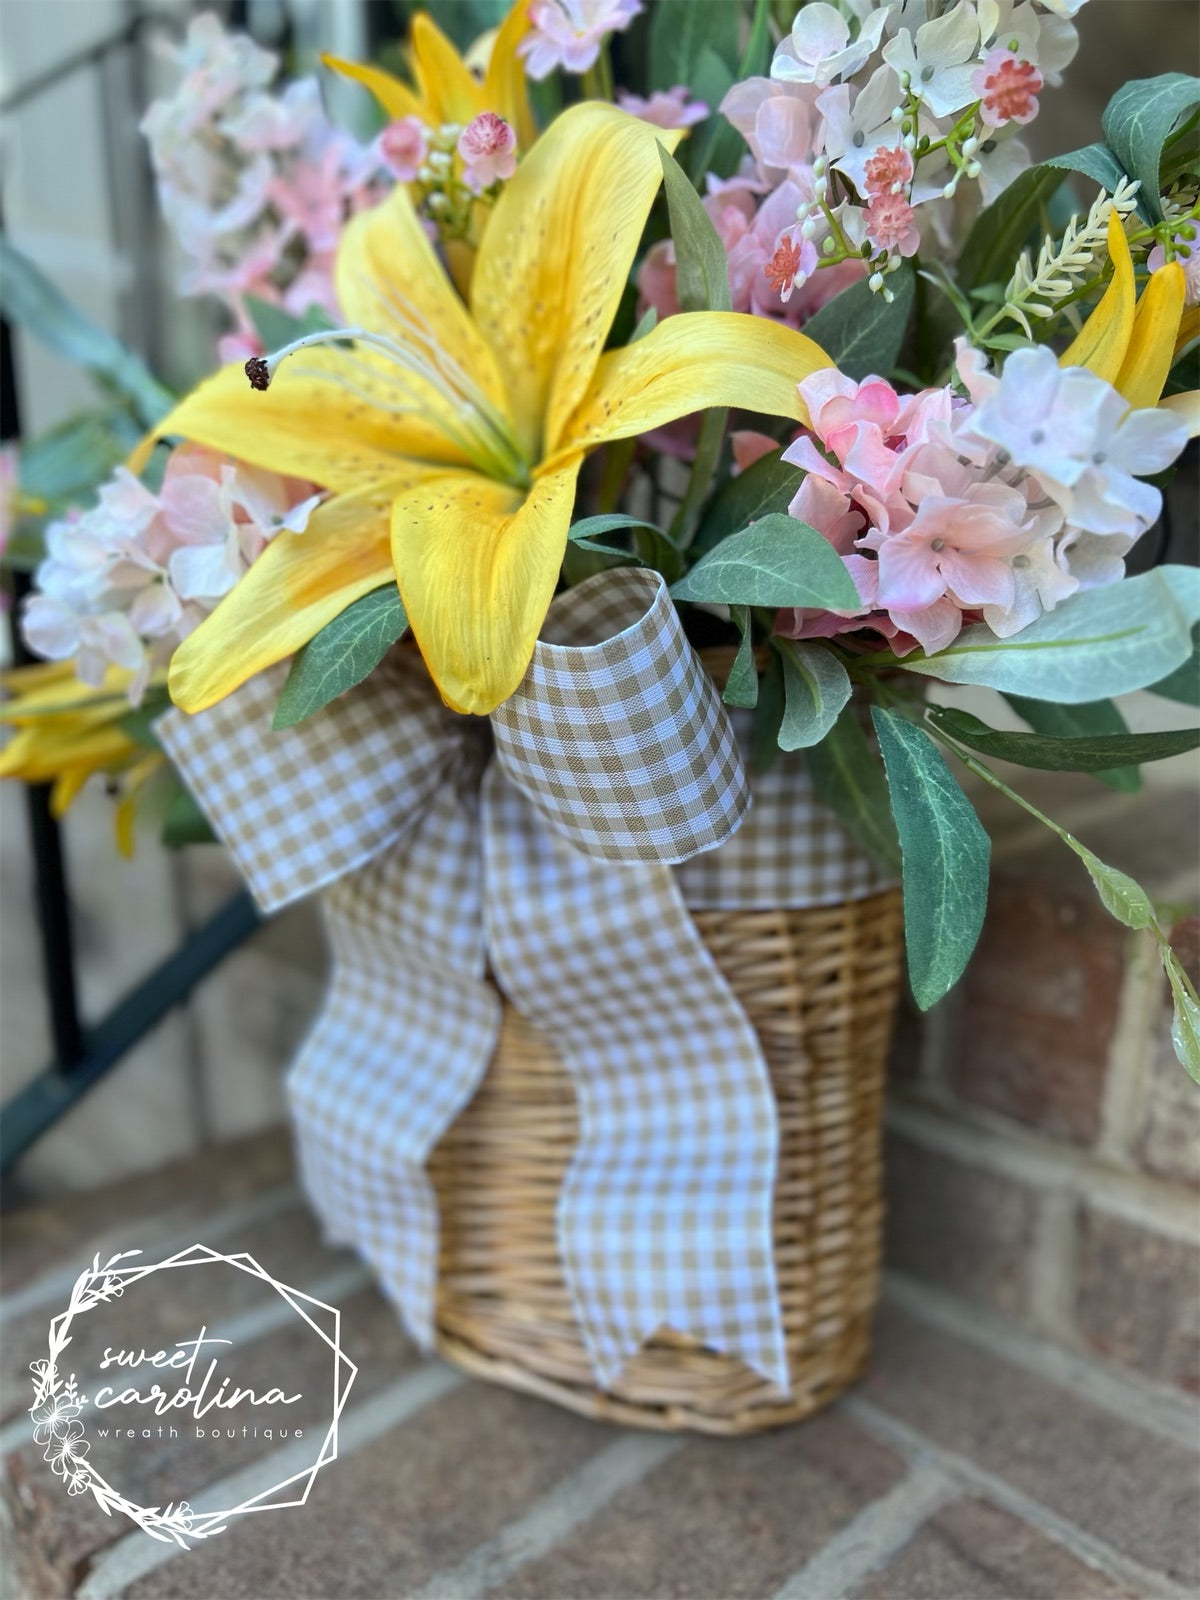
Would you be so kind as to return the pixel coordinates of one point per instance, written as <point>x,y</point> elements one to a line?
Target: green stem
<point>598,78</point>
<point>704,464</point>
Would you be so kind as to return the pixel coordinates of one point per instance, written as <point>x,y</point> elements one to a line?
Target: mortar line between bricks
<point>57,1285</point>
<point>879,1531</point>
<point>1145,1405</point>
<point>1146,1583</point>
<point>244,1329</point>
<point>970,1135</point>
<point>574,1501</point>
<point>134,1555</point>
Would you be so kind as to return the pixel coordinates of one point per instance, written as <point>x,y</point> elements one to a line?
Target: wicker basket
<point>820,987</point>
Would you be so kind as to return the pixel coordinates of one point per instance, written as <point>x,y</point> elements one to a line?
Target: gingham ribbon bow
<point>551,863</point>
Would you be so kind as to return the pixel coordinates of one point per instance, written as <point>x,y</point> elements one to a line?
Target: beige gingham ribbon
<point>614,759</point>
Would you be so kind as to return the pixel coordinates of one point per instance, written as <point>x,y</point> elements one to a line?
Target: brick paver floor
<point>974,1462</point>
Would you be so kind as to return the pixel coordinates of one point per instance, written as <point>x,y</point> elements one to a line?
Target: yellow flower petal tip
<point>1151,348</point>
<point>1103,340</point>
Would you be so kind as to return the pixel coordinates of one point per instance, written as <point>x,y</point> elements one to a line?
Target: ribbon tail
<point>665,1216</point>
<point>402,1043</point>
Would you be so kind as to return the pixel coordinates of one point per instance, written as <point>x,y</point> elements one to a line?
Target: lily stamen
<point>478,428</point>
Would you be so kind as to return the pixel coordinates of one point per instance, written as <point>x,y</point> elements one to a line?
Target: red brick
<point>1125,1486</point>
<point>1040,1003</point>
<point>1138,1298</point>
<point>973,1548</point>
<point>727,1517</point>
<point>956,1226</point>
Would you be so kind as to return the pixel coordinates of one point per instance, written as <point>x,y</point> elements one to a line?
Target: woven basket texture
<point>820,987</point>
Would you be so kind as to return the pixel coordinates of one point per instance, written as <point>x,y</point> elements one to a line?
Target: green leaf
<point>651,548</point>
<point>341,655</point>
<point>67,462</point>
<point>277,327</point>
<point>1099,643</point>
<point>31,300</point>
<point>778,562</point>
<point>1122,897</point>
<point>718,146</point>
<point>1071,722</point>
<point>768,484</point>
<point>1095,161</point>
<point>1137,123</point>
<point>741,687</point>
<point>860,331</point>
<point>139,723</point>
<point>184,823</point>
<point>848,777</point>
<point>1087,753</point>
<point>1183,684</point>
<point>945,854</point>
<point>1002,230</point>
<point>701,270</point>
<point>1185,1025</point>
<point>681,31</point>
<point>764,745</point>
<point>816,687</point>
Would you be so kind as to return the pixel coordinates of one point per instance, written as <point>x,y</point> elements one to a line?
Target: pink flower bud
<point>404,146</point>
<point>488,148</point>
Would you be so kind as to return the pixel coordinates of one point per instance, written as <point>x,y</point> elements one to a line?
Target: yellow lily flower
<point>445,89</point>
<point>68,732</point>
<point>451,436</point>
<point>1130,342</point>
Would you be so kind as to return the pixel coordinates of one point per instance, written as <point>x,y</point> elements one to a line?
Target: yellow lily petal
<point>396,98</point>
<point>690,362</point>
<point>390,280</point>
<point>1151,347</point>
<point>1187,407</point>
<point>1189,329</point>
<point>1104,338</point>
<point>300,582</point>
<point>504,84</point>
<point>477,563</point>
<point>556,257</point>
<point>131,785</point>
<point>445,82</point>
<point>309,427</point>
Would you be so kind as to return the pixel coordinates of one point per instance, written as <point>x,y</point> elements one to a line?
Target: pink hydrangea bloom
<point>569,33</point>
<point>404,146</point>
<point>488,147</point>
<point>890,224</point>
<point>1008,88</point>
<point>666,108</point>
<point>123,583</point>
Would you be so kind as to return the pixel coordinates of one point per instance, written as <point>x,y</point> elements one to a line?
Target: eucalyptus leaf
<point>768,715</point>
<point>1095,161</point>
<point>184,823</point>
<point>945,854</point>
<point>777,562</point>
<point>1002,230</point>
<point>1084,753</point>
<point>29,299</point>
<point>1185,1024</point>
<point>341,655</point>
<point>701,269</point>
<point>1071,722</point>
<point>1099,643</point>
<point>681,32</point>
<point>741,687</point>
<point>816,687</point>
<point>768,484</point>
<point>277,327</point>
<point>67,462</point>
<point>1183,684</point>
<point>848,777</point>
<point>1137,123</point>
<point>861,332</point>
<point>1123,898</point>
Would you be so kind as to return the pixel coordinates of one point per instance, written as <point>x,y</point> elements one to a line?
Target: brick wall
<point>1043,1142</point>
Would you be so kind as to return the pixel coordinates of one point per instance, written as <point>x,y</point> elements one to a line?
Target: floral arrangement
<point>775,307</point>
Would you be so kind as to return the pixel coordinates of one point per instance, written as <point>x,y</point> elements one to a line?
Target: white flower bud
<point>819,166</point>
<point>808,227</point>
<point>970,146</point>
<point>897,115</point>
<point>821,188</point>
<point>828,245</point>
<point>875,282</point>
<point>910,142</point>
<point>948,191</point>
<point>973,169</point>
